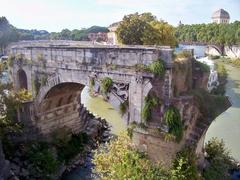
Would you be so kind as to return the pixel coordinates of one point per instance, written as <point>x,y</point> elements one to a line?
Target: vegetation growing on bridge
<point>123,107</point>
<point>203,67</point>
<point>11,59</point>
<point>106,84</point>
<point>157,68</point>
<point>149,103</point>
<point>173,119</point>
<point>183,54</point>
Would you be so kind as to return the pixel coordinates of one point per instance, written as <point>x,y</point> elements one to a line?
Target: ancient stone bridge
<point>57,71</point>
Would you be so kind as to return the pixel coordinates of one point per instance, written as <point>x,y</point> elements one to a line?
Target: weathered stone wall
<point>155,146</point>
<point>182,76</point>
<point>153,142</point>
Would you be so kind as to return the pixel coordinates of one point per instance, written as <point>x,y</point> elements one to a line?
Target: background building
<point>112,36</point>
<point>220,16</point>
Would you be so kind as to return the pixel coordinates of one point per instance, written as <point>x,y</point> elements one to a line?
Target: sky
<point>55,15</point>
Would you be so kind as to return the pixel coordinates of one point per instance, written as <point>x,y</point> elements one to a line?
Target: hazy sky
<point>54,15</point>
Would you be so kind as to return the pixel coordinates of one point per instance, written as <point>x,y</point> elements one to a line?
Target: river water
<point>99,108</point>
<point>227,125</point>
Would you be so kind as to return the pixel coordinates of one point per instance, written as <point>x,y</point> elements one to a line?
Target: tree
<point>131,29</point>
<point>7,33</point>
<point>119,160</point>
<point>139,29</point>
<point>220,160</point>
<point>184,166</point>
<point>220,34</point>
<point>65,34</point>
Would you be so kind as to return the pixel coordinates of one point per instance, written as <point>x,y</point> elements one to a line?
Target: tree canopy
<point>7,33</point>
<point>221,34</point>
<point>145,29</point>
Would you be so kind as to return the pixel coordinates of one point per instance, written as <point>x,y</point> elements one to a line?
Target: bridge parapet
<point>85,53</point>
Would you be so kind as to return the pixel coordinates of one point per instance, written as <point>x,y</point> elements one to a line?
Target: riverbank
<point>226,126</point>
<point>57,154</point>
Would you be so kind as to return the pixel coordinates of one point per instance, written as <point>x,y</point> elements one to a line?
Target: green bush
<point>123,107</point>
<point>11,59</point>
<point>183,54</point>
<point>149,103</point>
<point>173,119</point>
<point>202,66</point>
<point>220,160</point>
<point>43,159</point>
<point>69,149</point>
<point>106,84</point>
<point>120,160</point>
<point>157,68</point>
<point>184,166</point>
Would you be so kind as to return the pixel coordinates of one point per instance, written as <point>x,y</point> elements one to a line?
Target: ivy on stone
<point>123,107</point>
<point>173,119</point>
<point>149,103</point>
<point>106,84</point>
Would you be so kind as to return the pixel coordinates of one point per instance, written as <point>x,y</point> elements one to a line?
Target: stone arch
<point>62,94</point>
<point>22,79</point>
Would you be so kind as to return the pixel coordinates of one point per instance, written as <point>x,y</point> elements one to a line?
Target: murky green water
<point>103,109</point>
<point>227,125</point>
<point>99,108</point>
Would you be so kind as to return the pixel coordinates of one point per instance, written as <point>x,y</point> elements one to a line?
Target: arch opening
<point>62,103</point>
<point>22,79</point>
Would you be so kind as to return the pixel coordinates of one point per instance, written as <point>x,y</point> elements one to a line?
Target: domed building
<point>220,16</point>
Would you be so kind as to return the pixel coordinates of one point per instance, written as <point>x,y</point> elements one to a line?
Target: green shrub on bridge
<point>157,68</point>
<point>123,107</point>
<point>203,67</point>
<point>149,103</point>
<point>183,54</point>
<point>106,84</point>
<point>173,119</point>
